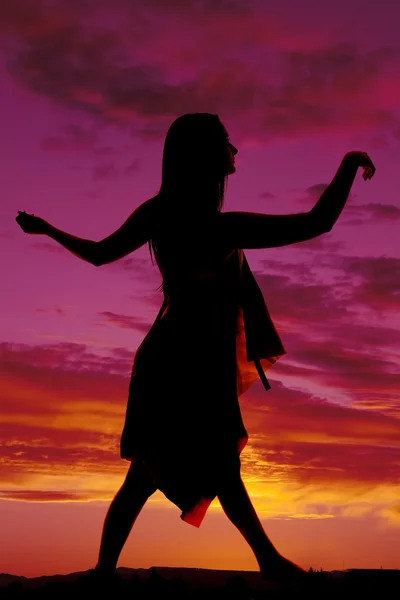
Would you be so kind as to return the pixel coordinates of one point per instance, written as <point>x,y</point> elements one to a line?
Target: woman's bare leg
<point>239,509</point>
<point>124,509</point>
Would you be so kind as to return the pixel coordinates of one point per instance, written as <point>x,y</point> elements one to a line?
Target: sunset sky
<point>88,89</point>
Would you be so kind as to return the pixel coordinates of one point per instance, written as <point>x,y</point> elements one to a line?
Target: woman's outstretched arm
<point>132,234</point>
<point>246,230</point>
<point>83,249</point>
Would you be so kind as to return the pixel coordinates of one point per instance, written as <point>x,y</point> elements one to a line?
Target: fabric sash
<point>258,344</point>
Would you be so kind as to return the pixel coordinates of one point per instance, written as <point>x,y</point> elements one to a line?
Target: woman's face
<point>229,153</point>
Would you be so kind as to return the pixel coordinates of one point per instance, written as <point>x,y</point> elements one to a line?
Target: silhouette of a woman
<point>212,338</point>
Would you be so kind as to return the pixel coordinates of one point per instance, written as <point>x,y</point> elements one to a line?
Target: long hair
<point>194,177</point>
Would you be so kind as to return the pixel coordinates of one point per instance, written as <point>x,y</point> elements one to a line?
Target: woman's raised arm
<point>247,230</point>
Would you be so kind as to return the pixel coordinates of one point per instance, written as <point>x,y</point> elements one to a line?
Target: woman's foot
<point>98,579</point>
<point>283,570</point>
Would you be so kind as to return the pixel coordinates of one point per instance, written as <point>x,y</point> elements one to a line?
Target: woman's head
<point>197,159</point>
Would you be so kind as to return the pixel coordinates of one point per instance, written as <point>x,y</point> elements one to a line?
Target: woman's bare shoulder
<point>149,211</point>
<point>152,204</point>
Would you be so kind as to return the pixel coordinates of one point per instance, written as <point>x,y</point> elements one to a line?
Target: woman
<point>212,338</point>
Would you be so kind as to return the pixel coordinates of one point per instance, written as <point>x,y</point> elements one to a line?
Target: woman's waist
<point>202,307</point>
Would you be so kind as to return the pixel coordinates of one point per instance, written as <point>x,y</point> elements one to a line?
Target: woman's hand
<point>31,224</point>
<point>361,159</point>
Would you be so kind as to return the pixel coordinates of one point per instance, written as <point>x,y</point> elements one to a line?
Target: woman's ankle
<point>105,570</point>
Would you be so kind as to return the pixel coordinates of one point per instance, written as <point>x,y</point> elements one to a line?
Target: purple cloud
<point>65,55</point>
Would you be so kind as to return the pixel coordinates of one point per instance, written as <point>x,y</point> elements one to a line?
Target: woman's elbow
<point>319,226</point>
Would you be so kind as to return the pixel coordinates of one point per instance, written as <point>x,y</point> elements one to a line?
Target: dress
<point>183,416</point>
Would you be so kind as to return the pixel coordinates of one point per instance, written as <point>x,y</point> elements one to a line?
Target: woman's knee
<point>231,481</point>
<point>140,477</point>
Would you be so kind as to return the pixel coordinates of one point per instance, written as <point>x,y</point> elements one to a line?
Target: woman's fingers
<point>368,162</point>
<point>368,172</point>
<point>31,224</point>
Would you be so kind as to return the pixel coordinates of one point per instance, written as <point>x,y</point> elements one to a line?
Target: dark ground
<point>187,584</point>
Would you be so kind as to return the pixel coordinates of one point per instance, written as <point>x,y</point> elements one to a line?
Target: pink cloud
<point>74,137</point>
<point>380,281</point>
<point>105,171</point>
<point>378,210</point>
<point>133,167</point>
<point>49,247</point>
<point>25,362</point>
<point>373,212</point>
<point>42,496</point>
<point>313,193</point>
<point>267,196</point>
<point>59,310</point>
<point>125,321</point>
